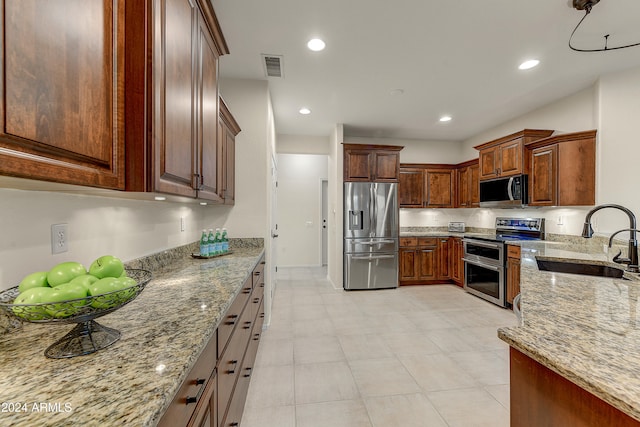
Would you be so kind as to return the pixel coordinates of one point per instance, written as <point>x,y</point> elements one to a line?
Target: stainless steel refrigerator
<point>370,235</point>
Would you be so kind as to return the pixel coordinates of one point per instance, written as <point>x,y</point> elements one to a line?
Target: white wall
<point>97,226</point>
<point>299,208</point>
<point>574,113</point>
<point>250,103</point>
<point>618,160</point>
<point>335,253</point>
<point>418,151</point>
<point>302,144</point>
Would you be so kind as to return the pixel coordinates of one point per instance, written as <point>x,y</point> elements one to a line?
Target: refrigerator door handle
<point>373,258</point>
<point>377,242</point>
<point>372,210</point>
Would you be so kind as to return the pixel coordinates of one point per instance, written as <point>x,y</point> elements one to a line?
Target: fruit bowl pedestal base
<point>86,338</point>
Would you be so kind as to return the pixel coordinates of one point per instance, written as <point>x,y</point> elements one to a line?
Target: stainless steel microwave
<point>508,192</point>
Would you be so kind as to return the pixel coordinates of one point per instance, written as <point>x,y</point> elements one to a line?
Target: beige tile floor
<point>413,356</point>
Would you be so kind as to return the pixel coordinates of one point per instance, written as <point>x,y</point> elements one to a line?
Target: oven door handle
<point>483,244</point>
<point>480,264</point>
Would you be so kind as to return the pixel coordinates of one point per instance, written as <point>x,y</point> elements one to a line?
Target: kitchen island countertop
<point>585,328</point>
<point>164,330</point>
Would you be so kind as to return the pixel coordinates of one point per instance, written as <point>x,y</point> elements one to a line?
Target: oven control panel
<point>520,224</point>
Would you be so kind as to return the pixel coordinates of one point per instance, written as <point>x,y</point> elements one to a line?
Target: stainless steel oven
<point>484,270</point>
<point>485,266</point>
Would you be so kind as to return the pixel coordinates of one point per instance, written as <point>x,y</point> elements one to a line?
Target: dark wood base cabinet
<point>541,397</point>
<point>425,260</point>
<point>215,390</point>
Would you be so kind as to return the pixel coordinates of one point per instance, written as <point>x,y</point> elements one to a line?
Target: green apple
<point>34,280</point>
<point>31,296</point>
<point>64,273</point>
<point>128,290</point>
<point>104,286</point>
<point>85,280</point>
<point>106,266</point>
<point>65,294</point>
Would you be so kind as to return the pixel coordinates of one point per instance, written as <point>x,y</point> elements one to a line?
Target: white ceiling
<point>456,57</point>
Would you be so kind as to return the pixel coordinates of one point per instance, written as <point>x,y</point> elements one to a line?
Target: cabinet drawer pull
<point>246,291</point>
<point>256,337</point>
<point>234,424</point>
<point>262,315</point>
<point>232,319</point>
<point>247,325</point>
<point>248,374</point>
<point>256,273</point>
<point>199,381</point>
<point>233,370</point>
<point>256,300</point>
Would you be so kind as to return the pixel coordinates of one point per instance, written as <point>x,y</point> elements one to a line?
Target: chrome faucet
<point>632,260</point>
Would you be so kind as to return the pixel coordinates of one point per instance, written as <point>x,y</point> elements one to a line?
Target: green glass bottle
<point>204,244</point>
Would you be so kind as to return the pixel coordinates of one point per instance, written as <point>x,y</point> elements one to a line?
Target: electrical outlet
<point>560,220</point>
<point>59,238</point>
<point>181,223</point>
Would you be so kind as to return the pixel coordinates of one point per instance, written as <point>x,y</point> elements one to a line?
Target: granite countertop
<point>164,330</point>
<point>585,328</point>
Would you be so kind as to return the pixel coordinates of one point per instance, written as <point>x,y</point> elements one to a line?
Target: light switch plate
<point>59,238</point>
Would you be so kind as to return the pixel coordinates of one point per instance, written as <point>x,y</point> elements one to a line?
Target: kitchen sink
<point>580,268</point>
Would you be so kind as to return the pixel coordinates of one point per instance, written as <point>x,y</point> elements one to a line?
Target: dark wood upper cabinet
<point>439,188</point>
<point>62,80</point>
<point>172,51</point>
<point>468,184</point>
<point>371,163</point>
<point>411,188</point>
<point>563,170</point>
<point>228,128</point>
<point>505,156</point>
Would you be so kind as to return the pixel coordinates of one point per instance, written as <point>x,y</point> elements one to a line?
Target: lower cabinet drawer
<point>232,318</point>
<point>230,364</point>
<point>192,389</point>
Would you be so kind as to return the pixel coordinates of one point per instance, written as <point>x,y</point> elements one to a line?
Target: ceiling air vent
<point>273,65</point>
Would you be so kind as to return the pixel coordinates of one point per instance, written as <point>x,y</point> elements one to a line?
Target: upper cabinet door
<point>175,75</point>
<point>440,188</point>
<point>62,80</point>
<point>387,166</point>
<point>358,165</point>
<point>489,159</point>
<point>208,186</point>
<point>511,159</point>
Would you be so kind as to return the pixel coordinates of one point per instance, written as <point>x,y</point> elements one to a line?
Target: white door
<point>274,223</point>
<point>325,218</point>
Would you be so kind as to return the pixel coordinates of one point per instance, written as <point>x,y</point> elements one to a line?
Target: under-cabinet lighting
<point>160,198</point>
<point>203,203</point>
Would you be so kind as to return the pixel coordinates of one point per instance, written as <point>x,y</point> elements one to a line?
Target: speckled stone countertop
<point>583,327</point>
<point>443,232</point>
<point>132,382</point>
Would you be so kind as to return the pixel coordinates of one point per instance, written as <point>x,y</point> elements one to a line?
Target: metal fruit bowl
<point>88,336</point>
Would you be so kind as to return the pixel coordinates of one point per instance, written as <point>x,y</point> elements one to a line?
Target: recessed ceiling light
<point>316,45</point>
<point>305,111</point>
<point>528,64</point>
<point>397,91</point>
<point>160,198</point>
<point>445,118</point>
